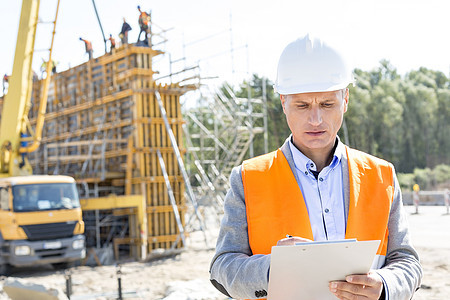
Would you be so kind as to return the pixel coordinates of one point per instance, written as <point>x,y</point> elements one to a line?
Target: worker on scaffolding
<point>23,143</point>
<point>112,42</point>
<point>144,21</point>
<point>124,32</point>
<point>88,47</point>
<point>44,67</point>
<point>5,82</point>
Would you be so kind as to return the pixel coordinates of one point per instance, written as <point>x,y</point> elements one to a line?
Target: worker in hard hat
<point>23,143</point>
<point>124,32</point>
<point>44,67</point>
<point>416,198</point>
<point>112,42</point>
<point>88,47</point>
<point>144,21</point>
<point>314,188</point>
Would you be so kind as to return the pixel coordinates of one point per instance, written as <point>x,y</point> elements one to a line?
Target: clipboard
<point>304,271</point>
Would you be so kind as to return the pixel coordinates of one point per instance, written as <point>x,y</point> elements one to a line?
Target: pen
<point>288,235</point>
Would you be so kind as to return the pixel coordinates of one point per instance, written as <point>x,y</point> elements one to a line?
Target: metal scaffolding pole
<point>172,199</point>
<point>266,129</point>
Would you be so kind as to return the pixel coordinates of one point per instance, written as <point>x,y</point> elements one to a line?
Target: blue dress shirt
<point>324,196</point>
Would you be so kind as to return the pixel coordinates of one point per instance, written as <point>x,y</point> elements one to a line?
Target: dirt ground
<point>430,231</point>
<point>185,276</point>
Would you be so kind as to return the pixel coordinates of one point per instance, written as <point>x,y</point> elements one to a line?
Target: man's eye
<point>327,104</point>
<point>302,105</point>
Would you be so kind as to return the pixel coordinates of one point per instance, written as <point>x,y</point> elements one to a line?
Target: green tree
<point>277,126</point>
<point>403,119</point>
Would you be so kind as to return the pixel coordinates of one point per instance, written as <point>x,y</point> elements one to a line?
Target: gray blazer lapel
<point>287,153</point>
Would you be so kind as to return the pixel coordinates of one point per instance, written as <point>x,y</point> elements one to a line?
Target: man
<point>112,41</point>
<point>88,47</point>
<point>20,199</point>
<point>144,19</point>
<point>33,197</point>
<point>5,82</point>
<point>23,143</point>
<point>124,32</point>
<point>315,188</point>
<point>416,189</point>
<point>44,67</point>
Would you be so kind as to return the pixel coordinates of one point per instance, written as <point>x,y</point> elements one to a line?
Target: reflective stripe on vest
<point>275,205</point>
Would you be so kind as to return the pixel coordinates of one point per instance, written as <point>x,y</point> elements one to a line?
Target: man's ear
<point>346,99</point>
<point>283,101</point>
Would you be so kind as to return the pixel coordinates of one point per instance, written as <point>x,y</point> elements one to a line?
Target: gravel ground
<point>185,276</point>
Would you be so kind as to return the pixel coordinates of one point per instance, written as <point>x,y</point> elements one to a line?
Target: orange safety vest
<point>113,42</point>
<point>87,45</point>
<point>143,19</point>
<point>275,204</point>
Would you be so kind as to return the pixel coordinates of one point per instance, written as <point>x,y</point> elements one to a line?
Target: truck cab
<point>40,221</point>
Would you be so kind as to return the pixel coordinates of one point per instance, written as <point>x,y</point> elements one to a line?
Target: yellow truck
<point>40,221</point>
<point>40,215</point>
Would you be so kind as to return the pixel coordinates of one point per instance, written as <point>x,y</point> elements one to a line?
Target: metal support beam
<point>172,199</point>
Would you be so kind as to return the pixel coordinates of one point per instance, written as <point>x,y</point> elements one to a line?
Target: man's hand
<point>369,286</point>
<point>291,240</point>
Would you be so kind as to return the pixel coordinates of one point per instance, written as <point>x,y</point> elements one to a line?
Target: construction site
<point>148,171</point>
<point>151,172</point>
<point>119,133</point>
<point>110,125</point>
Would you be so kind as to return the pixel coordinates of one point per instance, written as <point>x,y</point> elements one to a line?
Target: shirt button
<point>320,179</point>
<point>327,210</point>
<point>312,165</point>
<point>306,172</point>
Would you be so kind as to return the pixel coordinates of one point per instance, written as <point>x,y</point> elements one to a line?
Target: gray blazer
<point>237,273</point>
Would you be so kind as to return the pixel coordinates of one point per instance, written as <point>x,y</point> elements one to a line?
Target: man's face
<point>315,118</point>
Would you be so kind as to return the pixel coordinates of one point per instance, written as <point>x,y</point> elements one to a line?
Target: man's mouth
<point>315,133</point>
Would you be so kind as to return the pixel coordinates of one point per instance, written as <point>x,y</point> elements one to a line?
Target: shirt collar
<point>304,164</point>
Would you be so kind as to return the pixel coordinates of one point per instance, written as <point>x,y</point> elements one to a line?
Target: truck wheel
<point>5,269</point>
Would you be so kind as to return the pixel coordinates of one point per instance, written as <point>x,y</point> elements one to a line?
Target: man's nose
<point>315,116</point>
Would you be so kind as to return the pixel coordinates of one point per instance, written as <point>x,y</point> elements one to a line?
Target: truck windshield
<point>44,196</point>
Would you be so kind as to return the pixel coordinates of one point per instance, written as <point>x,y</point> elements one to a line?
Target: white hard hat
<point>310,65</point>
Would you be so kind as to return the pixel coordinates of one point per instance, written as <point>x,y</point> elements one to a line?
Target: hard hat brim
<point>311,88</point>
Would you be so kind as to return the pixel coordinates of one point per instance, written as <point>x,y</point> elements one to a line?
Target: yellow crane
<point>40,215</point>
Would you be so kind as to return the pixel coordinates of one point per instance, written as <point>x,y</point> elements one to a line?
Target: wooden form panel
<point>151,135</point>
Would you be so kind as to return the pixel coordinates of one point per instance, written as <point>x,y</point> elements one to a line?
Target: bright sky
<point>409,33</point>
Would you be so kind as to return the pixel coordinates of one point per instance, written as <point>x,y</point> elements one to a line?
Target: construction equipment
<point>40,216</point>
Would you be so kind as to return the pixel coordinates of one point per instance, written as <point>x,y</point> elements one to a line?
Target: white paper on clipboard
<point>304,271</point>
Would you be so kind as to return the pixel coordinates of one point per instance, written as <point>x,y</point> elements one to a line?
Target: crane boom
<point>44,96</point>
<point>19,92</point>
<point>31,207</point>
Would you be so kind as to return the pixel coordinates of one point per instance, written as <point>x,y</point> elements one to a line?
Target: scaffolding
<point>118,132</point>
<point>104,127</point>
<point>219,134</point>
